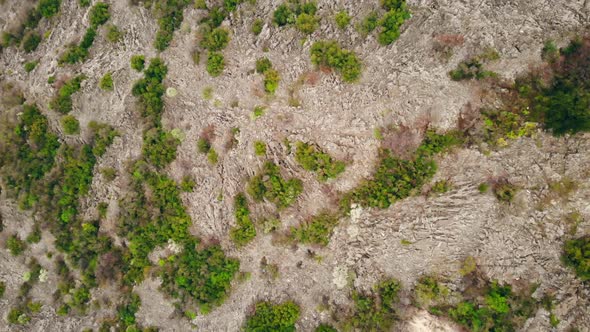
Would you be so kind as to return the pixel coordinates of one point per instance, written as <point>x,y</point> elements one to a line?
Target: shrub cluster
<point>170,13</point>
<point>329,53</point>
<point>398,178</point>
<point>159,147</point>
<point>342,19</point>
<point>138,62</point>
<point>269,184</point>
<point>311,158</point>
<point>62,102</point>
<point>390,23</point>
<point>577,256</point>
<point>375,311</point>
<point>244,231</point>
<point>470,69</point>
<point>317,230</point>
<point>302,14</point>
<point>271,76</point>
<point>106,82</point>
<point>25,33</point>
<point>70,124</point>
<point>99,15</point>
<point>150,90</point>
<point>273,317</point>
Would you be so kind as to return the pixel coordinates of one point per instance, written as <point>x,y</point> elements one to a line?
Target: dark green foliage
<point>127,310</point>
<point>84,3</point>
<point>391,22</point>
<point>428,289</point>
<point>99,14</point>
<point>563,105</point>
<point>203,145</point>
<point>269,184</point>
<point>15,245</point>
<point>63,101</point>
<point>29,156</point>
<point>231,5</point>
<point>215,40</point>
<point>150,90</point>
<point>577,256</point>
<point>298,13</point>
<point>29,66</point>
<point>102,137</point>
<point>342,19</point>
<point>397,178</point>
<point>369,23</point>
<point>505,191</point>
<point>159,147</point>
<point>375,311</point>
<point>31,41</point>
<point>138,62</point>
<point>329,53</point>
<point>311,158</point>
<point>318,230</point>
<point>257,26</point>
<point>2,289</point>
<point>106,82</point>
<point>215,17</point>
<point>170,20</point>
<point>202,275</point>
<point>325,328</point>
<point>244,231</point>
<point>48,8</point>
<point>470,69</point>
<point>273,317</point>
<point>34,236</point>
<point>263,65</point>
<point>215,64</point>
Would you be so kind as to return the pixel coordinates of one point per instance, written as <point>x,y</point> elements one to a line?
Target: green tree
<point>273,317</point>
<point>70,124</point>
<point>216,40</point>
<point>577,256</point>
<point>106,82</point>
<point>138,62</point>
<point>99,14</point>
<point>342,19</point>
<point>49,8</point>
<point>215,64</point>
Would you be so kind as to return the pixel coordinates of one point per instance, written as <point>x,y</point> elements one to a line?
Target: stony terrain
<point>404,84</point>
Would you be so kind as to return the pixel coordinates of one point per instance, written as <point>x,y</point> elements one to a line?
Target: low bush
<point>30,66</point>
<point>215,40</point>
<point>577,256</point>
<point>318,230</point>
<point>113,33</point>
<point>187,184</point>
<point>99,14</point>
<point>342,19</point>
<point>329,53</point>
<point>48,8</point>
<point>170,19</point>
<point>31,41</point>
<point>106,82</point>
<point>391,22</point>
<point>273,317</point>
<point>429,290</point>
<point>138,62</point>
<point>301,14</point>
<point>63,101</point>
<point>159,147</point>
<point>70,125</point>
<point>150,90</point>
<point>127,310</point>
<point>15,245</point>
<point>505,191</point>
<point>325,328</point>
<point>2,288</point>
<point>311,158</point>
<point>368,24</point>
<point>260,148</point>
<point>263,65</point>
<point>215,64</point>
<point>212,156</point>
<point>470,69</point>
<point>375,311</point>
<point>257,26</point>
<point>269,184</point>
<point>244,231</point>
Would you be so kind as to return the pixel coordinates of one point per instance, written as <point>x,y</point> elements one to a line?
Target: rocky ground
<point>402,84</point>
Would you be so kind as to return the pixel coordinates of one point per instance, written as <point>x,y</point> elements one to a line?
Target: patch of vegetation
<point>84,3</point>
<point>329,53</point>
<point>505,191</point>
<point>187,184</point>
<point>70,124</point>
<point>318,230</point>
<point>150,90</point>
<point>99,15</point>
<point>397,178</point>
<point>470,69</point>
<point>244,231</point>
<point>114,34</point>
<point>2,288</point>
<point>429,290</point>
<point>127,310</point>
<point>15,245</point>
<point>212,156</point>
<point>273,317</point>
<point>257,26</point>
<point>159,147</point>
<point>271,76</point>
<point>30,66</point>
<point>325,328</point>
<point>301,14</point>
<point>106,82</point>
<point>215,40</point>
<point>390,23</point>
<point>260,148</point>
<point>375,311</point>
<point>137,62</point>
<point>27,154</point>
<point>170,18</point>
<point>258,112</point>
<point>483,187</point>
<point>342,19</point>
<point>577,256</point>
<point>62,102</point>
<point>368,24</point>
<point>270,185</point>
<point>215,64</point>
<point>441,187</point>
<point>48,8</point>
<point>311,158</point>
<point>31,42</point>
